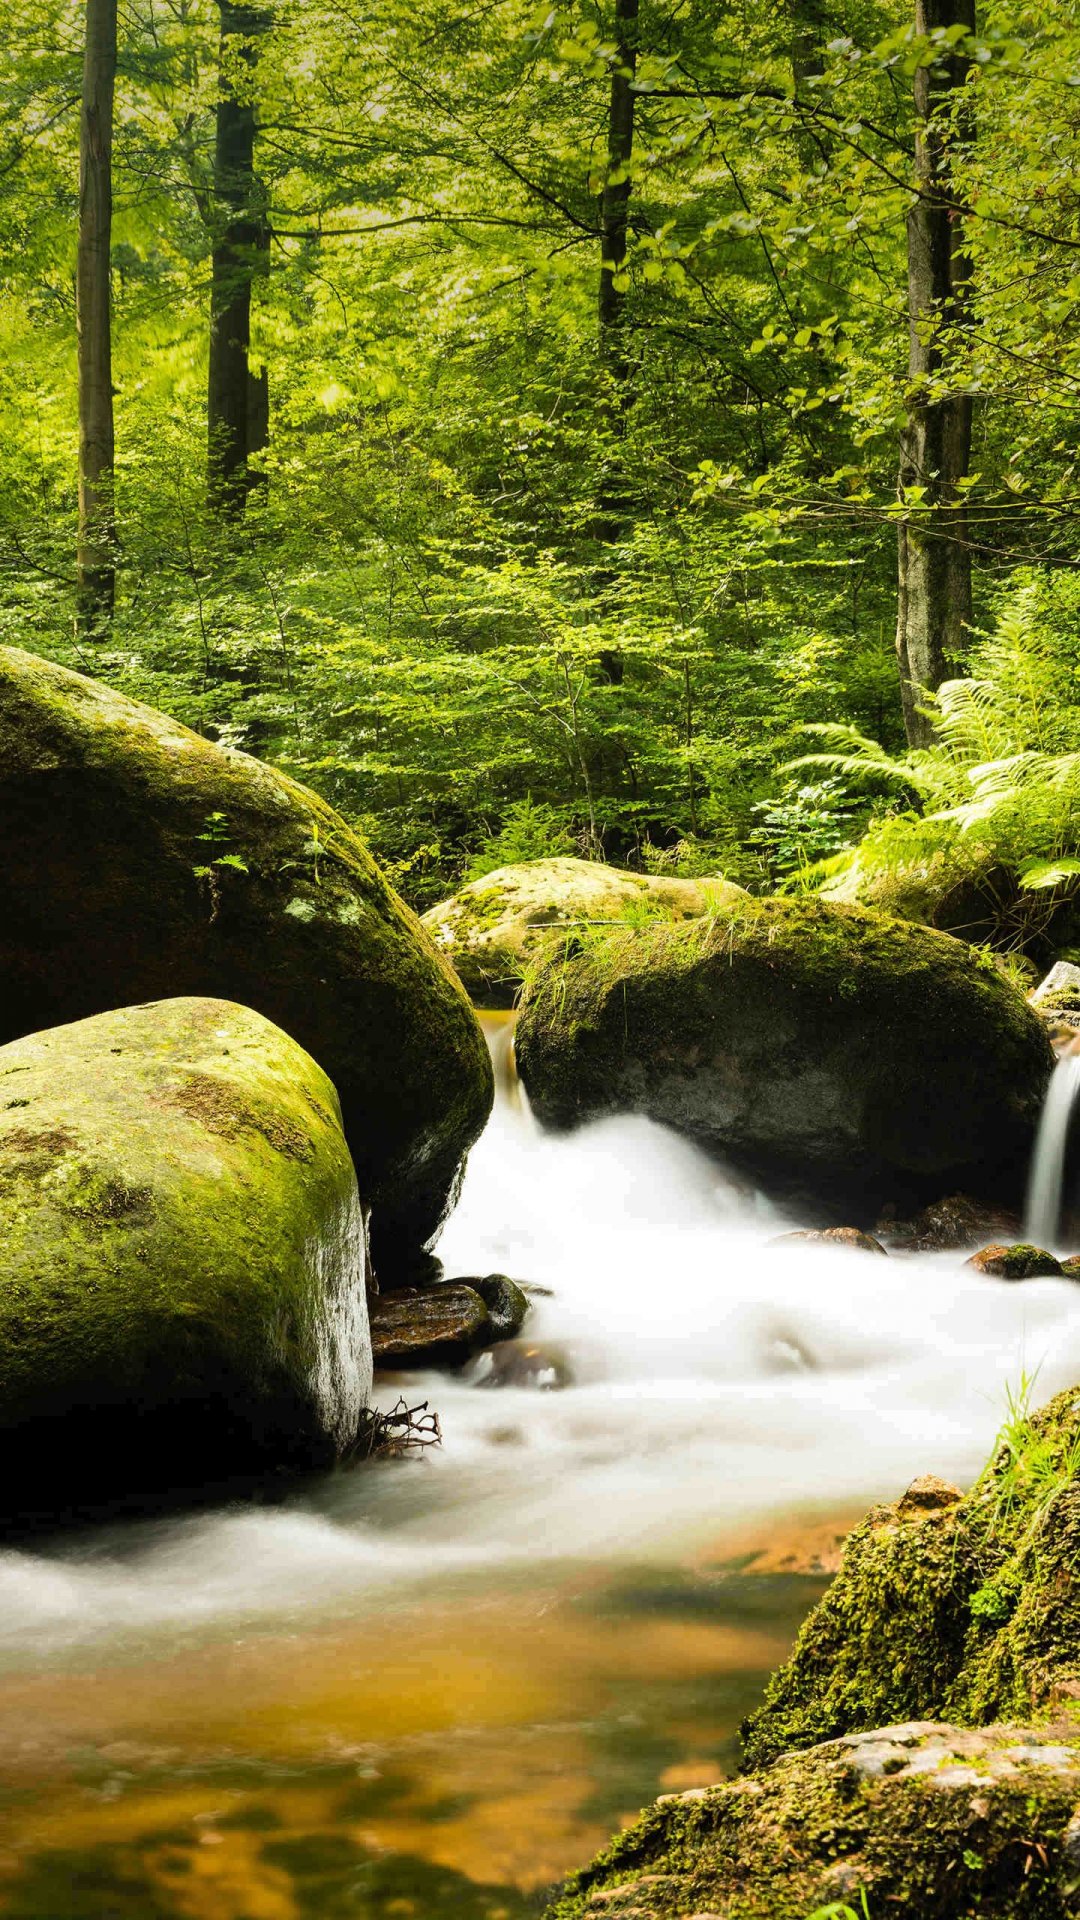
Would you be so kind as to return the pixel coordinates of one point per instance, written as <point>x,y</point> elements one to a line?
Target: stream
<point>432,1688</point>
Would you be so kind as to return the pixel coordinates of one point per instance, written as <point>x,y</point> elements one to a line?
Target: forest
<point>508,420</point>
<point>539,960</point>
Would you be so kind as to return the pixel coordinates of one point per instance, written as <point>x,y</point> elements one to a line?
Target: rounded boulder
<point>832,1052</point>
<point>142,862</point>
<point>182,1261</point>
<point>496,927</point>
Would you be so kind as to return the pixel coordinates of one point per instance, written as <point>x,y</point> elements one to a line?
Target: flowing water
<point>1046,1189</point>
<point>429,1688</point>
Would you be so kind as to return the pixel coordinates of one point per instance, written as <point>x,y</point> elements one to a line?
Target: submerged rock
<point>1019,1262</point>
<point>431,1327</point>
<point>829,1237</point>
<point>935,1821</point>
<point>182,1285</point>
<point>829,1050</point>
<point>542,1365</point>
<point>141,861</point>
<point>494,928</point>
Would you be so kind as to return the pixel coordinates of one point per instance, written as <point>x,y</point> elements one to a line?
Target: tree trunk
<point>237,401</point>
<point>96,558</point>
<point>934,560</point>
<point>615,364</point>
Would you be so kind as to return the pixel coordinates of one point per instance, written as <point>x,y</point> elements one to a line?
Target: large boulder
<point>833,1052</point>
<point>141,862</point>
<point>933,1821</point>
<point>182,1266</point>
<point>948,1607</point>
<point>494,928</point>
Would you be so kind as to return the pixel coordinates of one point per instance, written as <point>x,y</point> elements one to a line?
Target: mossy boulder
<point>496,927</point>
<point>831,1051</point>
<point>182,1267</point>
<point>965,1609</point>
<point>932,1821</point>
<point>142,862</point>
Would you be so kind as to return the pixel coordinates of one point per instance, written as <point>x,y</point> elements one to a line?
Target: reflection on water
<point>433,1687</point>
<point>435,1760</point>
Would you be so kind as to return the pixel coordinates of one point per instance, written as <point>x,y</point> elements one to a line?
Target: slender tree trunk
<point>96,559</point>
<point>237,400</point>
<point>615,362</point>
<point>934,570</point>
<point>615,199</point>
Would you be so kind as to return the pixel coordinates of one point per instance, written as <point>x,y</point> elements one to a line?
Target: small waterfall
<point>1048,1164</point>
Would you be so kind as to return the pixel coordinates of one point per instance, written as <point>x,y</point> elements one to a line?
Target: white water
<point>717,1379</point>
<point>1045,1191</point>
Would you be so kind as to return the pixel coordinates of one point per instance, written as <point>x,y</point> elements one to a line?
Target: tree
<point>934,561</point>
<point>237,401</point>
<point>97,528</point>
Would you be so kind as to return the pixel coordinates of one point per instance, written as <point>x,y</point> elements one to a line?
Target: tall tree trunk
<point>237,403</point>
<point>934,560</point>
<point>615,362</point>
<point>96,559</point>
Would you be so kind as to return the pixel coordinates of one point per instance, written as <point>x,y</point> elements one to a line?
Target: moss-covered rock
<point>182,1284</point>
<point>928,1821</point>
<point>141,862</point>
<point>1017,1262</point>
<point>855,1056</point>
<point>496,927</point>
<point>965,1609</point>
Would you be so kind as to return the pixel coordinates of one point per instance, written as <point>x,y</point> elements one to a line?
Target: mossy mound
<point>830,1050</point>
<point>960,1609</point>
<point>142,862</point>
<point>182,1284</point>
<point>932,1822</point>
<point>496,927</point>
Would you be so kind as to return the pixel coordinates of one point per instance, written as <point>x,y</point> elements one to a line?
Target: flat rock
<point>431,1327</point>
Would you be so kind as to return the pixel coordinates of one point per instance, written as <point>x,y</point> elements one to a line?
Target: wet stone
<point>435,1327</point>
<point>1020,1262</point>
<point>505,1300</point>
<point>852,1237</point>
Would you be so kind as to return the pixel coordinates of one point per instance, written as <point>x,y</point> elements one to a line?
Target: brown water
<point>439,1759</point>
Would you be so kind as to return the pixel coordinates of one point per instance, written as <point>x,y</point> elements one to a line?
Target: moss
<point>859,1053</point>
<point>970,1612</point>
<point>928,1822</point>
<point>181,1259</point>
<point>496,927</point>
<point>1018,1262</point>
<point>119,827</point>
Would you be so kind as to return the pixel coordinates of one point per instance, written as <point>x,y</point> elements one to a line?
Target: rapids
<point>520,1631</point>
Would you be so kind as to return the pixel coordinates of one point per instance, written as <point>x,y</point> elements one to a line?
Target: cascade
<point>1045,1188</point>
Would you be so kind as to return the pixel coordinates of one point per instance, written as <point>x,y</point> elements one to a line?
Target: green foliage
<point>999,792</point>
<point>528,832</point>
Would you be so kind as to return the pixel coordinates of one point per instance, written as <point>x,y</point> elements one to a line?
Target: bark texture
<point>934,559</point>
<point>97,532</point>
<point>237,400</point>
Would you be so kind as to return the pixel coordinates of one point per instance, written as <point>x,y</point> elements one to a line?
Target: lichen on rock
<point>933,1821</point>
<point>182,1261</point>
